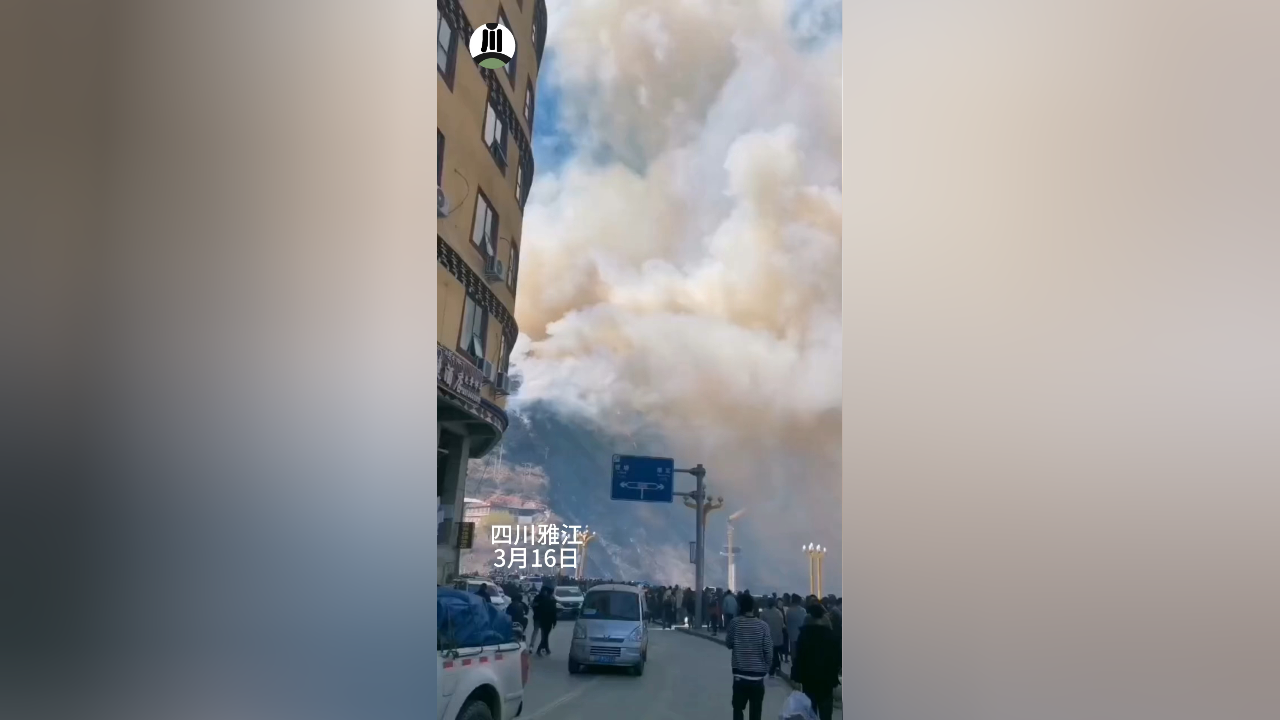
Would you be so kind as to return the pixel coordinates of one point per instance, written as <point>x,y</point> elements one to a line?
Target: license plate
<point>601,659</point>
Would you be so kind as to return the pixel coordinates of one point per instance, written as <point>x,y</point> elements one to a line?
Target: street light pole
<point>732,569</point>
<point>709,506</point>
<point>699,496</point>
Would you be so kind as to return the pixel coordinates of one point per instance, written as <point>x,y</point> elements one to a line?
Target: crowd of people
<point>763,632</point>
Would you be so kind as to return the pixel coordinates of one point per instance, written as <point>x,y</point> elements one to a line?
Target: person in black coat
<point>544,614</point>
<point>816,665</point>
<point>519,613</point>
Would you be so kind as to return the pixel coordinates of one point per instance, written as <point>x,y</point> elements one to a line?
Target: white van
<point>610,630</point>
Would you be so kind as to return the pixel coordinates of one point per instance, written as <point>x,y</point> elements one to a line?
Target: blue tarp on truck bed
<point>464,620</point>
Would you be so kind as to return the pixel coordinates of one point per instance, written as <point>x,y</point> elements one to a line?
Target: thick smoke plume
<point>682,270</point>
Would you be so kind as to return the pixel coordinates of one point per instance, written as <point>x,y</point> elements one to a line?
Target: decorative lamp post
<point>815,553</point>
<point>587,536</point>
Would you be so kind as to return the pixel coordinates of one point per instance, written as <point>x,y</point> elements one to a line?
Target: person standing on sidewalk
<point>729,607</point>
<point>772,617</point>
<point>816,665</point>
<point>751,644</point>
<point>795,620</point>
<point>717,597</point>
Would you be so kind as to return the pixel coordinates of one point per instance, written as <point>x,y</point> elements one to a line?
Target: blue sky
<point>552,145</point>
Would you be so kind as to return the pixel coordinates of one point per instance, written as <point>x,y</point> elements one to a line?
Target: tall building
<point>484,128</point>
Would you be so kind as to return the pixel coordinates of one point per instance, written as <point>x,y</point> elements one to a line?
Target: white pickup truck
<point>481,683</point>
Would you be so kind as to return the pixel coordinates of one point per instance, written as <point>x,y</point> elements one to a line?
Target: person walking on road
<point>519,613</point>
<point>751,643</point>
<point>772,617</point>
<point>729,607</point>
<point>668,609</point>
<point>816,665</point>
<point>544,614</point>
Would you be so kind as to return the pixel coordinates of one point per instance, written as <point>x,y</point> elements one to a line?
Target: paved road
<point>686,677</point>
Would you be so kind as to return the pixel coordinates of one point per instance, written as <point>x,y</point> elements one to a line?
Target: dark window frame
<point>530,103</point>
<point>501,159</point>
<point>465,330</point>
<point>451,52</point>
<point>439,157</point>
<point>511,66</point>
<point>503,353</point>
<point>513,267</point>
<point>481,197</point>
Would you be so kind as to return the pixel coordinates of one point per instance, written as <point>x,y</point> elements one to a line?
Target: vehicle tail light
<point>524,669</point>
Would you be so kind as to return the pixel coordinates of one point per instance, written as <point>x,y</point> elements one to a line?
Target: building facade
<point>484,168</point>
<point>476,510</point>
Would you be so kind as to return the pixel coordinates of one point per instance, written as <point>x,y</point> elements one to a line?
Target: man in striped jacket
<point>752,644</point>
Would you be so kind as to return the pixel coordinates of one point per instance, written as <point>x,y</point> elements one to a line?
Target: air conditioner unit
<point>442,204</point>
<point>493,269</point>
<point>488,371</point>
<point>503,384</point>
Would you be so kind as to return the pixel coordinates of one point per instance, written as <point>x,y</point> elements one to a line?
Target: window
<point>513,258</point>
<point>534,34</point>
<point>611,605</point>
<point>502,353</point>
<point>439,156</point>
<point>511,65</point>
<point>445,49</point>
<point>528,103</point>
<point>484,234</point>
<point>520,185</point>
<point>495,136</point>
<point>475,326</point>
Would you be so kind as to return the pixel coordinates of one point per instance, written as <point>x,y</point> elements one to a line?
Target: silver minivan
<point>611,630</point>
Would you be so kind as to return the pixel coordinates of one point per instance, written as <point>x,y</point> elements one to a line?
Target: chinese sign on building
<point>457,374</point>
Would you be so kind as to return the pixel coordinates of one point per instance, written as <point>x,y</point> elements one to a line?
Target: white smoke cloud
<point>693,277</point>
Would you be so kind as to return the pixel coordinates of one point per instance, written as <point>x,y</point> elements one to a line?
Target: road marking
<point>571,695</point>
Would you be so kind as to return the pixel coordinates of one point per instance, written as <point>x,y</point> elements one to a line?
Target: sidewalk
<point>785,673</point>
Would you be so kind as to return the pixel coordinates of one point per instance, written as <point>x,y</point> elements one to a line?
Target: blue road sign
<point>643,479</point>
